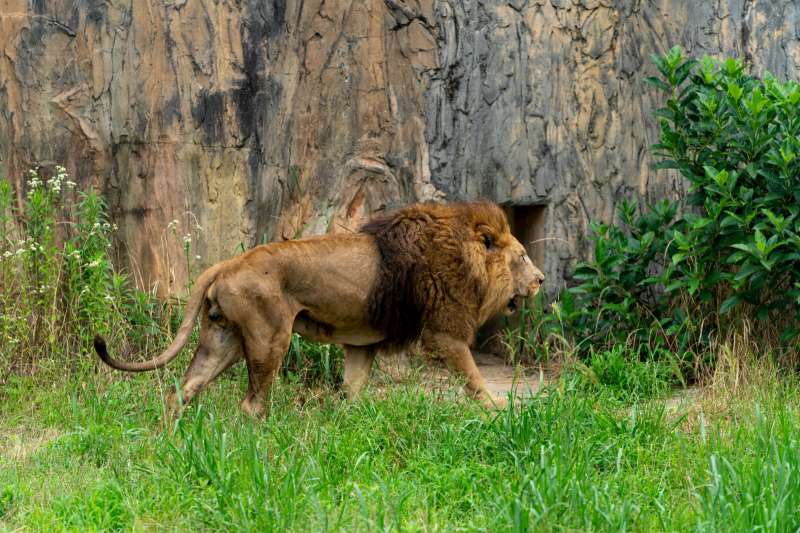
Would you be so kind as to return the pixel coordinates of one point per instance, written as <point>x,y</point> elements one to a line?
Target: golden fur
<point>429,272</point>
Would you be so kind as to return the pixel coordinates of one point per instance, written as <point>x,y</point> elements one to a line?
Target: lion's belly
<point>314,330</point>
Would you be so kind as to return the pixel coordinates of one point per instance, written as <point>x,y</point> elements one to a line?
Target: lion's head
<point>510,275</point>
<point>449,266</point>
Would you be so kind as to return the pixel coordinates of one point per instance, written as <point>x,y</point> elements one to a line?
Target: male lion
<point>428,272</point>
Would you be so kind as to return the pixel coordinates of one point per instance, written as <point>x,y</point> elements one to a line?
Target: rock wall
<point>249,121</point>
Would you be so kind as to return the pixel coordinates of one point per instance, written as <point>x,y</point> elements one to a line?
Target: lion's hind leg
<point>357,365</point>
<point>219,348</point>
<point>264,353</point>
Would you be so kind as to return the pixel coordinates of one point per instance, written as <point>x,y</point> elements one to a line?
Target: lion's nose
<point>538,279</point>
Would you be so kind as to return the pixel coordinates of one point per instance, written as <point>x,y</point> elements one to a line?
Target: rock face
<point>248,121</point>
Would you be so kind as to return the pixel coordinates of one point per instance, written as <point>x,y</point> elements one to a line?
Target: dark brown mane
<point>394,308</point>
<point>415,242</point>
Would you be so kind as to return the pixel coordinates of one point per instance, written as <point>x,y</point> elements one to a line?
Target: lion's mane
<point>433,267</point>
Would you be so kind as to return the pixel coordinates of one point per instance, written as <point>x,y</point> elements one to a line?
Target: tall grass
<point>58,286</point>
<point>570,459</point>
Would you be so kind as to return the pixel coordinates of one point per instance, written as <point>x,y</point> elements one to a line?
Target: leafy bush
<point>736,139</point>
<point>57,284</point>
<point>620,299</point>
<point>620,294</point>
<point>668,275</point>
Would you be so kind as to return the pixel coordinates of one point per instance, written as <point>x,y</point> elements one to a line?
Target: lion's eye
<point>487,242</point>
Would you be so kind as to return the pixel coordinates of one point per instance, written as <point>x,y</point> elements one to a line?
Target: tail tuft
<point>101,349</point>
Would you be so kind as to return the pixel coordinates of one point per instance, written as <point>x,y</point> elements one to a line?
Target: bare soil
<point>501,378</point>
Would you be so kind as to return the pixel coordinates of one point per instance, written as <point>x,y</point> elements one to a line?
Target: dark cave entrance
<point>527,225</point>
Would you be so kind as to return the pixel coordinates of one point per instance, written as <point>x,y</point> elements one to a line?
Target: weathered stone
<point>262,120</point>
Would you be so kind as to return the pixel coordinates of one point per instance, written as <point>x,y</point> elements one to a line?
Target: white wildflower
<point>94,263</point>
<point>187,239</point>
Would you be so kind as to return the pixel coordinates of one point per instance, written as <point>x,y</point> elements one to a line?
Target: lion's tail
<point>192,310</point>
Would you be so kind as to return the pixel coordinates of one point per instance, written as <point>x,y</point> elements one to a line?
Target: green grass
<point>91,455</point>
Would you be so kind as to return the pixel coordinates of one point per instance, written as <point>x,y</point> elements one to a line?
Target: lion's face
<point>511,275</point>
<point>526,277</point>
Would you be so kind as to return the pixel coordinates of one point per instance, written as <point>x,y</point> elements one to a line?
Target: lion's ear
<point>486,235</point>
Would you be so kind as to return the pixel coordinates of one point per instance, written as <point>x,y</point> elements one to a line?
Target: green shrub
<point>619,301</point>
<point>736,139</point>
<point>669,275</point>
<point>58,287</point>
<point>620,296</point>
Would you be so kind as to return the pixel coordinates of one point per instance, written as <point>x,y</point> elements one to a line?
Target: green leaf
<point>659,83</point>
<point>761,242</point>
<point>680,240</point>
<point>694,284</point>
<point>731,220</point>
<point>679,257</point>
<point>729,304</point>
<point>675,285</point>
<point>744,247</point>
<point>683,71</point>
<point>734,91</point>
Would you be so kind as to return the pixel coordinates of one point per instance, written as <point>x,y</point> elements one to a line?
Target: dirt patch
<point>683,399</point>
<point>17,447</point>
<point>501,378</point>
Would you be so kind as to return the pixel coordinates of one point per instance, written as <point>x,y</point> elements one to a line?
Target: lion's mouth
<point>514,304</point>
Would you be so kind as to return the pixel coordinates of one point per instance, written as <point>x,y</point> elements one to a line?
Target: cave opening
<point>527,225</point>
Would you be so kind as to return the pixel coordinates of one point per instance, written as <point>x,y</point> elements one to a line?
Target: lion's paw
<point>495,402</point>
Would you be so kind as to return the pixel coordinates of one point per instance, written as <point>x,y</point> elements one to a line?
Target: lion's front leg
<point>458,356</point>
<point>357,365</point>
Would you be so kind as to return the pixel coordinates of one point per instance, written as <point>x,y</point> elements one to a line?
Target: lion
<point>427,273</point>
